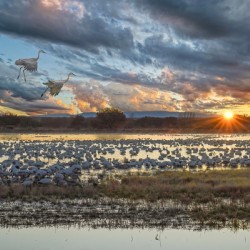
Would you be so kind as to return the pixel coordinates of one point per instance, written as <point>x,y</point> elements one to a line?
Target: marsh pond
<point>124,191</point>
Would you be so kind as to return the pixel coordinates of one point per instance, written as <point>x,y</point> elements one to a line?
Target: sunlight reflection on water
<point>126,148</point>
<point>119,136</point>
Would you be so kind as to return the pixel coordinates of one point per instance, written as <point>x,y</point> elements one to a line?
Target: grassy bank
<point>182,186</point>
<point>186,187</point>
<point>209,199</point>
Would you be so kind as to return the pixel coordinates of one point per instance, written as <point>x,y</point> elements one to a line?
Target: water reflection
<point>117,136</point>
<point>139,239</point>
<point>69,158</point>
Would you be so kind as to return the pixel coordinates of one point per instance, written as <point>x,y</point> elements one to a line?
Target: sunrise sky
<point>135,55</point>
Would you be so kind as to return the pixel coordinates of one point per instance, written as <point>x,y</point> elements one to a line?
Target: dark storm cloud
<point>113,10</point>
<point>185,57</point>
<point>199,19</point>
<point>16,88</point>
<point>133,42</point>
<point>32,19</point>
<point>188,83</point>
<point>201,88</point>
<point>216,27</point>
<point>37,106</point>
<point>107,74</point>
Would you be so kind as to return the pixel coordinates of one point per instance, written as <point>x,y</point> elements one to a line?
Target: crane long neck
<point>38,55</point>
<point>67,78</point>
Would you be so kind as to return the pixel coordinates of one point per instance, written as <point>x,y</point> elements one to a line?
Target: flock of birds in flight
<point>31,64</point>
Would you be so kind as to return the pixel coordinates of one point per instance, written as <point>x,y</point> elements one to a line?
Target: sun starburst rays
<point>230,123</point>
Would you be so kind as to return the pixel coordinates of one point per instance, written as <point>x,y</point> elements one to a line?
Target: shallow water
<point>118,136</point>
<point>112,152</point>
<point>84,238</point>
<point>140,239</point>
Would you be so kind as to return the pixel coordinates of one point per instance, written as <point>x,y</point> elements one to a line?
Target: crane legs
<point>24,75</point>
<point>44,92</point>
<point>19,72</point>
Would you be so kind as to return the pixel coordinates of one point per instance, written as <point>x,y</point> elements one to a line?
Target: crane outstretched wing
<point>49,83</point>
<point>56,88</point>
<point>30,66</point>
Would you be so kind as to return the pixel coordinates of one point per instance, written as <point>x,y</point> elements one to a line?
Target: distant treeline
<point>113,119</point>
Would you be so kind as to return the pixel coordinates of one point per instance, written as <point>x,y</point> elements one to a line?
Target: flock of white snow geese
<point>31,64</point>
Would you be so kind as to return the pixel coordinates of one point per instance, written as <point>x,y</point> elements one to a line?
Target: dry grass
<point>48,192</point>
<point>186,187</point>
<point>213,198</point>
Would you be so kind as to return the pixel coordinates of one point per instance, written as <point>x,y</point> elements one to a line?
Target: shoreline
<point>122,213</point>
<point>162,199</point>
<point>125,132</point>
<point>210,200</point>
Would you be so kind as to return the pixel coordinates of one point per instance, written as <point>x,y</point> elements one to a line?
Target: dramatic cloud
<point>140,98</point>
<point>92,96</point>
<point>199,19</point>
<point>89,96</point>
<point>131,54</point>
<point>64,22</point>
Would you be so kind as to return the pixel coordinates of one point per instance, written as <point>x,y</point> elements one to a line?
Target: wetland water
<point>118,136</point>
<point>34,158</point>
<point>109,151</point>
<point>139,239</point>
<point>75,158</point>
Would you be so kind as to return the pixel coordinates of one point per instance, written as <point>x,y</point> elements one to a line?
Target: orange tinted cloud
<point>138,98</point>
<point>89,97</point>
<point>70,108</point>
<point>74,7</point>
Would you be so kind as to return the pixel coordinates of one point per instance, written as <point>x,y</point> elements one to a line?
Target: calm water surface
<point>115,147</point>
<point>118,136</point>
<point>140,239</point>
<point>103,239</point>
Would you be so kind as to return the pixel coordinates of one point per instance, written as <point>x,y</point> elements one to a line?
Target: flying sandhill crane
<point>29,64</point>
<point>56,86</point>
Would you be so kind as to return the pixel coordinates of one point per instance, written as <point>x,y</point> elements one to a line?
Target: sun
<point>228,115</point>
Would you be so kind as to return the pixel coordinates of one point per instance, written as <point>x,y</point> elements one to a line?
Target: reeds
<point>213,199</point>
<point>48,192</point>
<point>187,187</point>
<point>182,186</point>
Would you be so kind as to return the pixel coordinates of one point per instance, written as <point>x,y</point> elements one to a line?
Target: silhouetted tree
<point>9,119</point>
<point>77,122</point>
<point>55,122</point>
<point>28,122</point>
<point>110,118</point>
